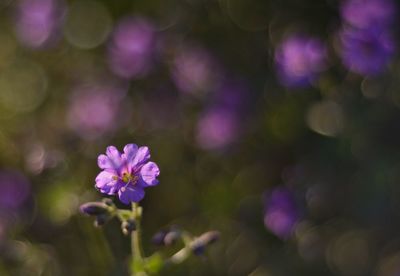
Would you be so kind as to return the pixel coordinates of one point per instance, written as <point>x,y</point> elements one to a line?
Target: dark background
<point>333,145</point>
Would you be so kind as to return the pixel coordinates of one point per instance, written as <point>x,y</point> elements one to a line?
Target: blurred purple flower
<point>15,189</point>
<point>366,51</point>
<point>299,60</point>
<point>126,174</point>
<point>367,45</point>
<point>94,109</point>
<point>368,13</point>
<point>281,212</point>
<point>38,22</point>
<point>220,125</point>
<point>132,46</point>
<point>217,128</point>
<point>194,70</point>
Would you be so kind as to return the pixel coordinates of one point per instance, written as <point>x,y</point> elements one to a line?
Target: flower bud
<point>198,249</point>
<point>171,237</point>
<point>210,237</point>
<point>101,219</point>
<point>107,201</point>
<point>128,226</point>
<point>167,237</point>
<point>94,208</point>
<point>200,243</point>
<point>158,238</point>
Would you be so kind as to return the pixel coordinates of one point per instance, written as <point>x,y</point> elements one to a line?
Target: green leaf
<point>125,214</point>
<point>137,266</point>
<point>154,263</point>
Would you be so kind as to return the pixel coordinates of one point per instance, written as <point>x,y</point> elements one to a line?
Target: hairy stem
<point>179,257</point>
<point>136,242</point>
<point>184,253</point>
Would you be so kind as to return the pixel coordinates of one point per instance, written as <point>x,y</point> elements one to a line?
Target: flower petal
<point>129,154</point>
<point>115,156</point>
<point>112,161</point>
<point>130,194</point>
<point>141,157</point>
<point>104,162</point>
<point>107,183</point>
<point>149,172</point>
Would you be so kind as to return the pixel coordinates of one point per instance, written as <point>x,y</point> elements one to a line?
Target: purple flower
<point>94,109</point>
<point>15,189</point>
<point>368,13</point>
<point>366,43</point>
<point>220,124</point>
<point>38,22</point>
<point>217,128</point>
<point>366,51</point>
<point>126,174</point>
<point>194,70</point>
<point>299,60</point>
<point>281,212</point>
<point>131,47</point>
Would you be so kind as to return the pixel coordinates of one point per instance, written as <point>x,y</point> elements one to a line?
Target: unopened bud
<point>171,237</point>
<point>94,208</point>
<point>167,237</point>
<point>210,237</point>
<point>158,238</point>
<point>107,201</point>
<point>128,226</point>
<point>200,243</point>
<point>101,219</point>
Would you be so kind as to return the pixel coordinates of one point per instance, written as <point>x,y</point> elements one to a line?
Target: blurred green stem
<point>179,257</point>
<point>184,253</point>
<point>136,243</point>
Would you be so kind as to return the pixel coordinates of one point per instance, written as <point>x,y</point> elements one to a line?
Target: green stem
<point>136,243</point>
<point>179,257</point>
<point>184,253</point>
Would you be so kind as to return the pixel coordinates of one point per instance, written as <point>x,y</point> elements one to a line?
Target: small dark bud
<point>94,208</point>
<point>171,237</point>
<point>167,237</point>
<point>200,243</point>
<point>198,249</point>
<point>210,237</point>
<point>158,238</point>
<point>128,226</point>
<point>101,220</point>
<point>108,201</point>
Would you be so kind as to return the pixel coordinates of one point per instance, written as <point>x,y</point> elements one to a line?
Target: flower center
<point>127,177</point>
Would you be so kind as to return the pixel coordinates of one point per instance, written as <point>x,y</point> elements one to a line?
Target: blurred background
<point>275,122</point>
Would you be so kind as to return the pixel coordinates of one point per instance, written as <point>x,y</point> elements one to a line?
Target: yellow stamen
<point>127,177</point>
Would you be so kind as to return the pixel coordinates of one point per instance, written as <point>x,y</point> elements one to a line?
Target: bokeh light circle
<point>23,86</point>
<point>326,118</point>
<point>88,24</point>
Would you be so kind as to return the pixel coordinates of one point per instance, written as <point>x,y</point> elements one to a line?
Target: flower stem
<point>184,253</point>
<point>179,257</point>
<point>136,243</point>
